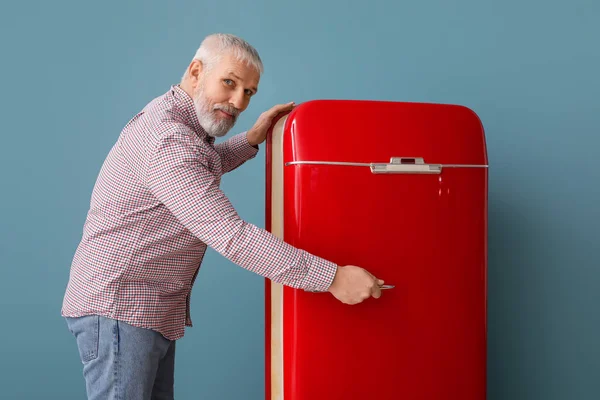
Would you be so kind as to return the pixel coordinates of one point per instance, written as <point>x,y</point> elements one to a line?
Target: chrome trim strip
<point>369,164</point>
<point>329,163</point>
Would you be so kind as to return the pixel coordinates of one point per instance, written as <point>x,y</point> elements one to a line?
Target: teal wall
<point>74,72</point>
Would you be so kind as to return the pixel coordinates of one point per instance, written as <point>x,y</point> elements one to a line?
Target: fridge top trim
<point>357,164</point>
<point>395,166</point>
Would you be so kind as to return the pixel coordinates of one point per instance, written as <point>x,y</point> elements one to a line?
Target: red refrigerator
<point>399,189</point>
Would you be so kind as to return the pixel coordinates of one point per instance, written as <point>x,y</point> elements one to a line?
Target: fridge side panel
<point>267,282</point>
<point>274,304</point>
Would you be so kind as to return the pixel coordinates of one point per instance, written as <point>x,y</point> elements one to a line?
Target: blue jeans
<point>121,361</point>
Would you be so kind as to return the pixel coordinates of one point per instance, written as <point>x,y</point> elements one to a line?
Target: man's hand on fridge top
<point>353,285</point>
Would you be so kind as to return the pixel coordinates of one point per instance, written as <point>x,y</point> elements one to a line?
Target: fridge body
<point>399,189</point>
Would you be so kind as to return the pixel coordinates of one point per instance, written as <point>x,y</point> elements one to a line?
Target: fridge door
<point>349,185</point>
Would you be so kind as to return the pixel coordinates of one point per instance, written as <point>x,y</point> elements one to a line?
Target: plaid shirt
<point>155,208</point>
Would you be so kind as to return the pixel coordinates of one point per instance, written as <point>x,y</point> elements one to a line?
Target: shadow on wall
<point>518,353</point>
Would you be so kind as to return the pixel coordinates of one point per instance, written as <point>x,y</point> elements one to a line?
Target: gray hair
<point>214,46</point>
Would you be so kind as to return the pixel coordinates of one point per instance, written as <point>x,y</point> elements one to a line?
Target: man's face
<point>223,93</point>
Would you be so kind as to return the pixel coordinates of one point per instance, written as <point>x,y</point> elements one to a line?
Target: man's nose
<point>237,100</point>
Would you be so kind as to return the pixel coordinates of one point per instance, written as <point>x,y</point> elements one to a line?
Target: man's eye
<point>228,81</point>
<point>249,92</point>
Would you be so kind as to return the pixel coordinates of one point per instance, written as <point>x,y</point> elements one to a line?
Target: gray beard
<point>213,126</point>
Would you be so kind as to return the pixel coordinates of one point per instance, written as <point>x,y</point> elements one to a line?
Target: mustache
<point>228,109</point>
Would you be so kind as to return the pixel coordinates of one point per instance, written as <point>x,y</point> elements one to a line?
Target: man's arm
<point>244,146</point>
<point>235,151</point>
<point>177,175</point>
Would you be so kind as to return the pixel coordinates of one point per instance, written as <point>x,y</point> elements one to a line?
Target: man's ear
<point>195,71</point>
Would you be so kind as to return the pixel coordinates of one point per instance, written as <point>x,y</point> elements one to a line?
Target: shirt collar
<point>188,109</point>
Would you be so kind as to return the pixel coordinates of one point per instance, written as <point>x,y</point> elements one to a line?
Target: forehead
<point>229,65</point>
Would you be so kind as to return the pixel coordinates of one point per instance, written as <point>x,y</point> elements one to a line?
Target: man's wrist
<point>251,138</point>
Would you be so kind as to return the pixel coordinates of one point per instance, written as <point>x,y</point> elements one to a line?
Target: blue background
<point>74,72</point>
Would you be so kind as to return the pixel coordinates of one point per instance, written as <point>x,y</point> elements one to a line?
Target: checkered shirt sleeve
<point>179,176</point>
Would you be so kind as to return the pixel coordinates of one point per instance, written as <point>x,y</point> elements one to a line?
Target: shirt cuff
<point>241,147</point>
<point>320,275</point>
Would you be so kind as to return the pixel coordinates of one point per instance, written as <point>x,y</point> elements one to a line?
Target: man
<point>155,208</point>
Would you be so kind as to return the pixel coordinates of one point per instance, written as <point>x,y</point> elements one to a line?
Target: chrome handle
<point>382,287</point>
<point>405,165</point>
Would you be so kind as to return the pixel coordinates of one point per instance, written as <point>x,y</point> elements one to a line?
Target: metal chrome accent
<point>396,165</point>
<point>382,287</point>
<point>328,163</point>
<point>400,165</point>
<point>464,165</point>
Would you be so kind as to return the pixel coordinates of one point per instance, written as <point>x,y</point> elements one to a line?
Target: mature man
<point>155,208</point>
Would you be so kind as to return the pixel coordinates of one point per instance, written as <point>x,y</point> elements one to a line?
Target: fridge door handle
<point>405,165</point>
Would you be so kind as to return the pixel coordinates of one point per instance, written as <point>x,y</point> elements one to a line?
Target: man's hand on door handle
<point>353,285</point>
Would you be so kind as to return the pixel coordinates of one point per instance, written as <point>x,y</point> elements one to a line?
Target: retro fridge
<point>399,189</point>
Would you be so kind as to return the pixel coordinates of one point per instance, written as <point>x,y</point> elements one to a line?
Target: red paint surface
<point>425,234</point>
